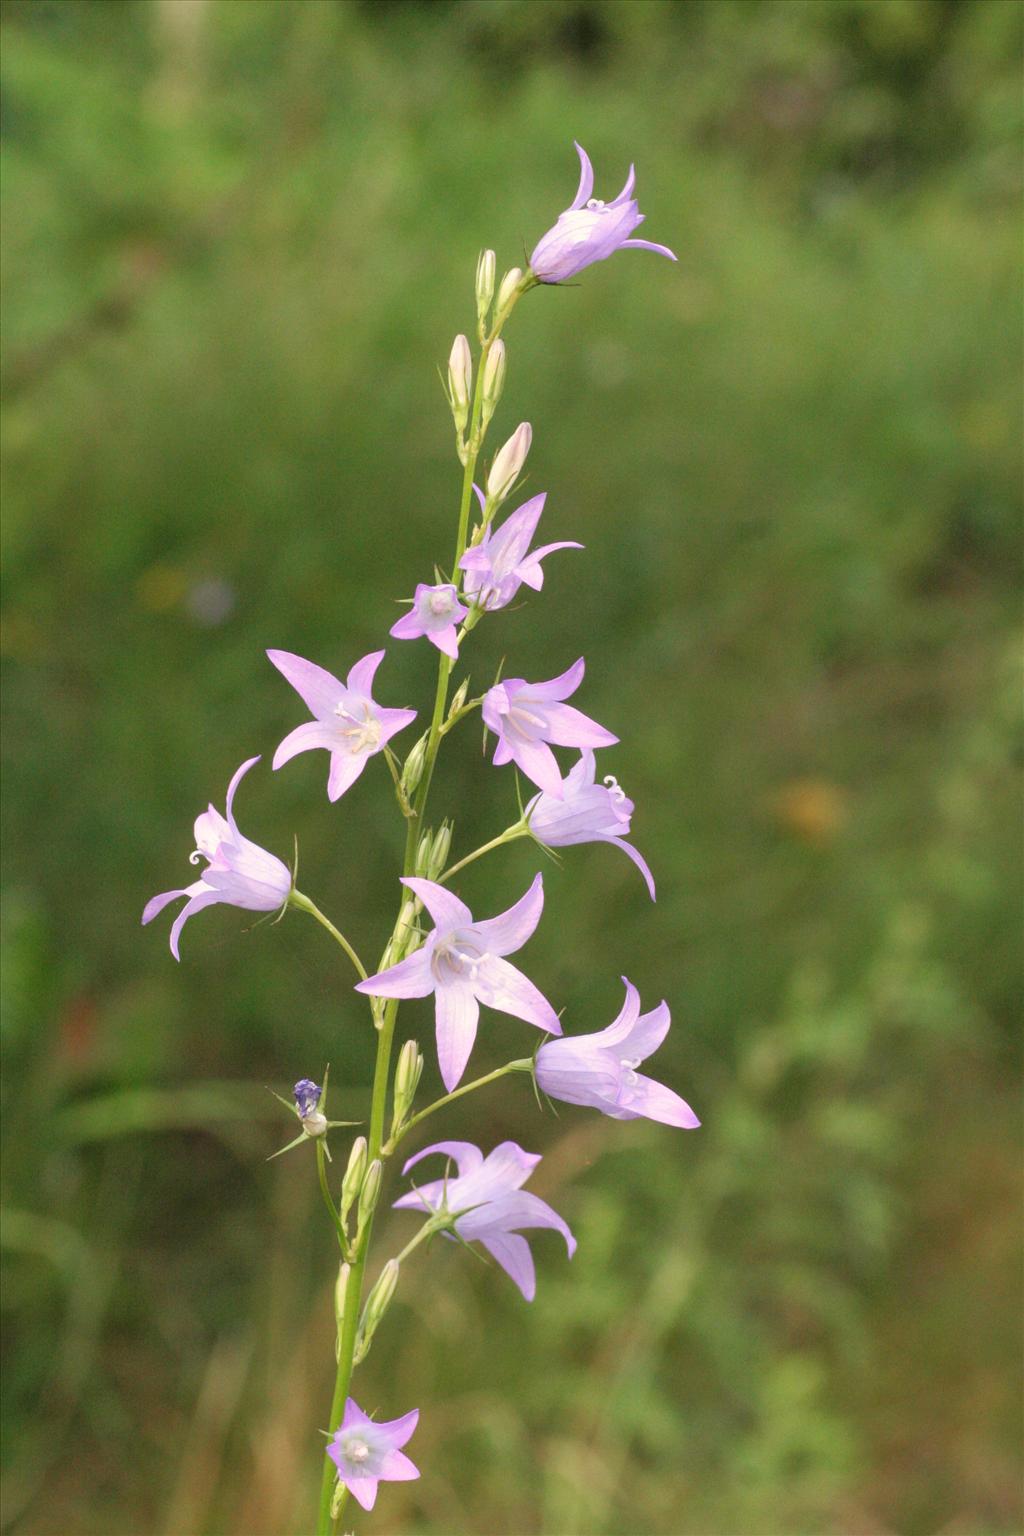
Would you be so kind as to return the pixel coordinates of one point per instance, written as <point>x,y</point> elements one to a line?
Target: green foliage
<point>237,238</point>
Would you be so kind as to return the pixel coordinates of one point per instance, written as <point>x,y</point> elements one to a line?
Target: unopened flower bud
<point>376,1305</point>
<point>370,1193</point>
<point>351,1183</point>
<point>485,269</point>
<point>509,283</point>
<point>508,463</point>
<point>460,379</point>
<point>458,698</point>
<point>439,850</point>
<point>423,855</point>
<point>340,1287</point>
<point>407,1080</point>
<point>412,770</point>
<point>494,379</point>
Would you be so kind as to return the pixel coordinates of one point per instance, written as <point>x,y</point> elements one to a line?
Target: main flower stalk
<point>414,824</point>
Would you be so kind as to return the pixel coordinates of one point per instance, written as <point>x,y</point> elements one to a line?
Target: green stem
<point>321,1168</point>
<point>525,1064</point>
<point>508,836</point>
<point>296,899</point>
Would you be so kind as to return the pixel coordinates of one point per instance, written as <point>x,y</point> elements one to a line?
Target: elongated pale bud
<point>494,379</point>
<point>460,380</point>
<point>423,855</point>
<point>509,283</point>
<point>412,770</point>
<point>485,270</point>
<point>338,1498</point>
<point>508,463</point>
<point>458,698</point>
<point>340,1286</point>
<point>407,1080</point>
<point>377,1304</point>
<point>354,1174</point>
<point>369,1195</point>
<point>439,850</point>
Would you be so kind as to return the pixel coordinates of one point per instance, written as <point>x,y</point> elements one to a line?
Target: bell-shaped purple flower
<point>238,873</point>
<point>462,963</point>
<point>497,567</point>
<point>601,1070</point>
<point>367,1452</point>
<point>497,1208</point>
<point>526,716</point>
<point>590,230</point>
<point>586,813</point>
<point>347,722</point>
<point>435,612</point>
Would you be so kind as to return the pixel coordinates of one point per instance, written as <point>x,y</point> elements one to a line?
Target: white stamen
<point>358,1451</point>
<point>195,856</point>
<point>614,788</point>
<point>362,735</point>
<point>440,603</point>
<point>595,205</point>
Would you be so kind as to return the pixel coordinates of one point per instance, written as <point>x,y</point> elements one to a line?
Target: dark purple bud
<point>307,1097</point>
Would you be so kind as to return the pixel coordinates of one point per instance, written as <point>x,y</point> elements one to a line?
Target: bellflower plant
<point>436,948</point>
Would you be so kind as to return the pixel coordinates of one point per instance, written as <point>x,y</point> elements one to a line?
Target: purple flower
<point>307,1097</point>
<point>590,230</point>
<point>347,723</point>
<point>492,1186</point>
<point>600,1070</point>
<point>435,613</point>
<point>497,567</point>
<point>586,813</point>
<point>367,1453</point>
<point>239,873</point>
<point>462,963</point>
<point>526,716</point>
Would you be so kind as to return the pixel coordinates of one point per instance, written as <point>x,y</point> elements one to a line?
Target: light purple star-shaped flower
<point>600,1070</point>
<point>435,612</point>
<point>490,1191</point>
<point>462,962</point>
<point>590,230</point>
<point>526,716</point>
<point>366,1452</point>
<point>586,813</point>
<point>348,724</point>
<point>239,873</point>
<point>497,567</point>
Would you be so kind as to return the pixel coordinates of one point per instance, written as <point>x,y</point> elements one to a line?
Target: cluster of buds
<point>432,853</point>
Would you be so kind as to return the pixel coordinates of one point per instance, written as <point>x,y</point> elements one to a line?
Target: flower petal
<point>466,1157</point>
<point>395,1467</point>
<point>513,1254</point>
<point>560,687</point>
<point>633,853</point>
<point>446,909</point>
<point>320,690</point>
<point>411,977</point>
<point>399,1431</point>
<point>537,761</point>
<point>446,640</point>
<point>586,187</point>
<point>156,904</point>
<point>500,985</point>
<point>391,721</point>
<point>305,738</point>
<point>408,627</point>
<point>360,678</point>
<point>345,769</point>
<point>649,245</point>
<point>569,727</point>
<point>504,934</point>
<point>205,898</point>
<point>237,778</point>
<point>456,1013</point>
<point>521,1209</point>
<point>362,1489</point>
<point>624,1022</point>
<point>648,1032</point>
<point>656,1102</point>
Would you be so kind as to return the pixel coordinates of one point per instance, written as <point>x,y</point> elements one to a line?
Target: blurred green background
<point>239,235</point>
